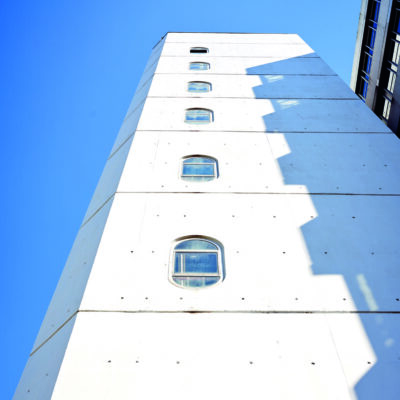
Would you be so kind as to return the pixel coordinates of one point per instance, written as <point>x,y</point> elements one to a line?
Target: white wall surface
<point>236,356</point>
<point>264,50</point>
<point>246,65</point>
<point>253,86</point>
<point>263,115</point>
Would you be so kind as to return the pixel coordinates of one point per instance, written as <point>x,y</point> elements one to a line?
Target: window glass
<point>198,50</point>
<point>199,87</point>
<point>196,244</point>
<point>199,169</point>
<point>197,263</point>
<point>199,66</point>
<point>198,116</point>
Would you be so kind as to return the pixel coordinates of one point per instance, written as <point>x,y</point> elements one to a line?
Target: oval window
<point>198,116</point>
<point>199,66</point>
<point>199,87</point>
<point>197,263</point>
<point>199,168</point>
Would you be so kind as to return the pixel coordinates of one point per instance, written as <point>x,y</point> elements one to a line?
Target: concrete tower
<point>242,243</point>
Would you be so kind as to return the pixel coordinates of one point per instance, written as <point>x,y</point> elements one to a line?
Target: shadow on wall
<point>353,180</point>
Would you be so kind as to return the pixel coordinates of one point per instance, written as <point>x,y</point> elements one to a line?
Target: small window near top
<point>199,168</point>
<point>196,263</point>
<point>198,50</point>
<point>199,87</point>
<point>199,66</point>
<point>198,116</point>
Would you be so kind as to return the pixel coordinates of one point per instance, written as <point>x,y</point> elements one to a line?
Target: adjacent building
<point>376,60</point>
<point>242,242</point>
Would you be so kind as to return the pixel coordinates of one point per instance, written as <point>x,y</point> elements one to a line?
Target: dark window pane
<point>198,50</point>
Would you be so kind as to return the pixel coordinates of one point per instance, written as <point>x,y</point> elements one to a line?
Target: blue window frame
<point>199,66</point>
<point>197,263</point>
<point>199,168</point>
<point>198,116</point>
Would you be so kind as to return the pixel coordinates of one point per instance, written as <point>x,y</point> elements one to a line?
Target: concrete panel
<point>154,163</point>
<point>233,356</point>
<point>265,50</point>
<point>298,252</point>
<point>283,115</point>
<point>351,336</point>
<point>248,65</point>
<point>41,371</point>
<point>356,237</point>
<point>109,180</point>
<point>336,163</point>
<point>279,163</point>
<point>72,284</point>
<point>253,86</point>
<point>202,38</point>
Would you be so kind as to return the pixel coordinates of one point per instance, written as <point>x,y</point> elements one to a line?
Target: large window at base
<point>199,168</point>
<point>197,262</point>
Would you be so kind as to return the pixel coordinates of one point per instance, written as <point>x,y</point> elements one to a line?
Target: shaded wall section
<point>353,181</point>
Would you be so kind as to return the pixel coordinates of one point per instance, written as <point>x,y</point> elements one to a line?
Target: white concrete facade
<point>306,207</point>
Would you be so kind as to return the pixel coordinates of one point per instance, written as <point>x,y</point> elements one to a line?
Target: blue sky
<point>68,72</point>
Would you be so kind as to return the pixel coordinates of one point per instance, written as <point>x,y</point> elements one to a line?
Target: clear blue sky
<point>68,72</point>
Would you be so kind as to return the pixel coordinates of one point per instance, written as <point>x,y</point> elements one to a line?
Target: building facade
<point>376,60</point>
<point>242,241</point>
